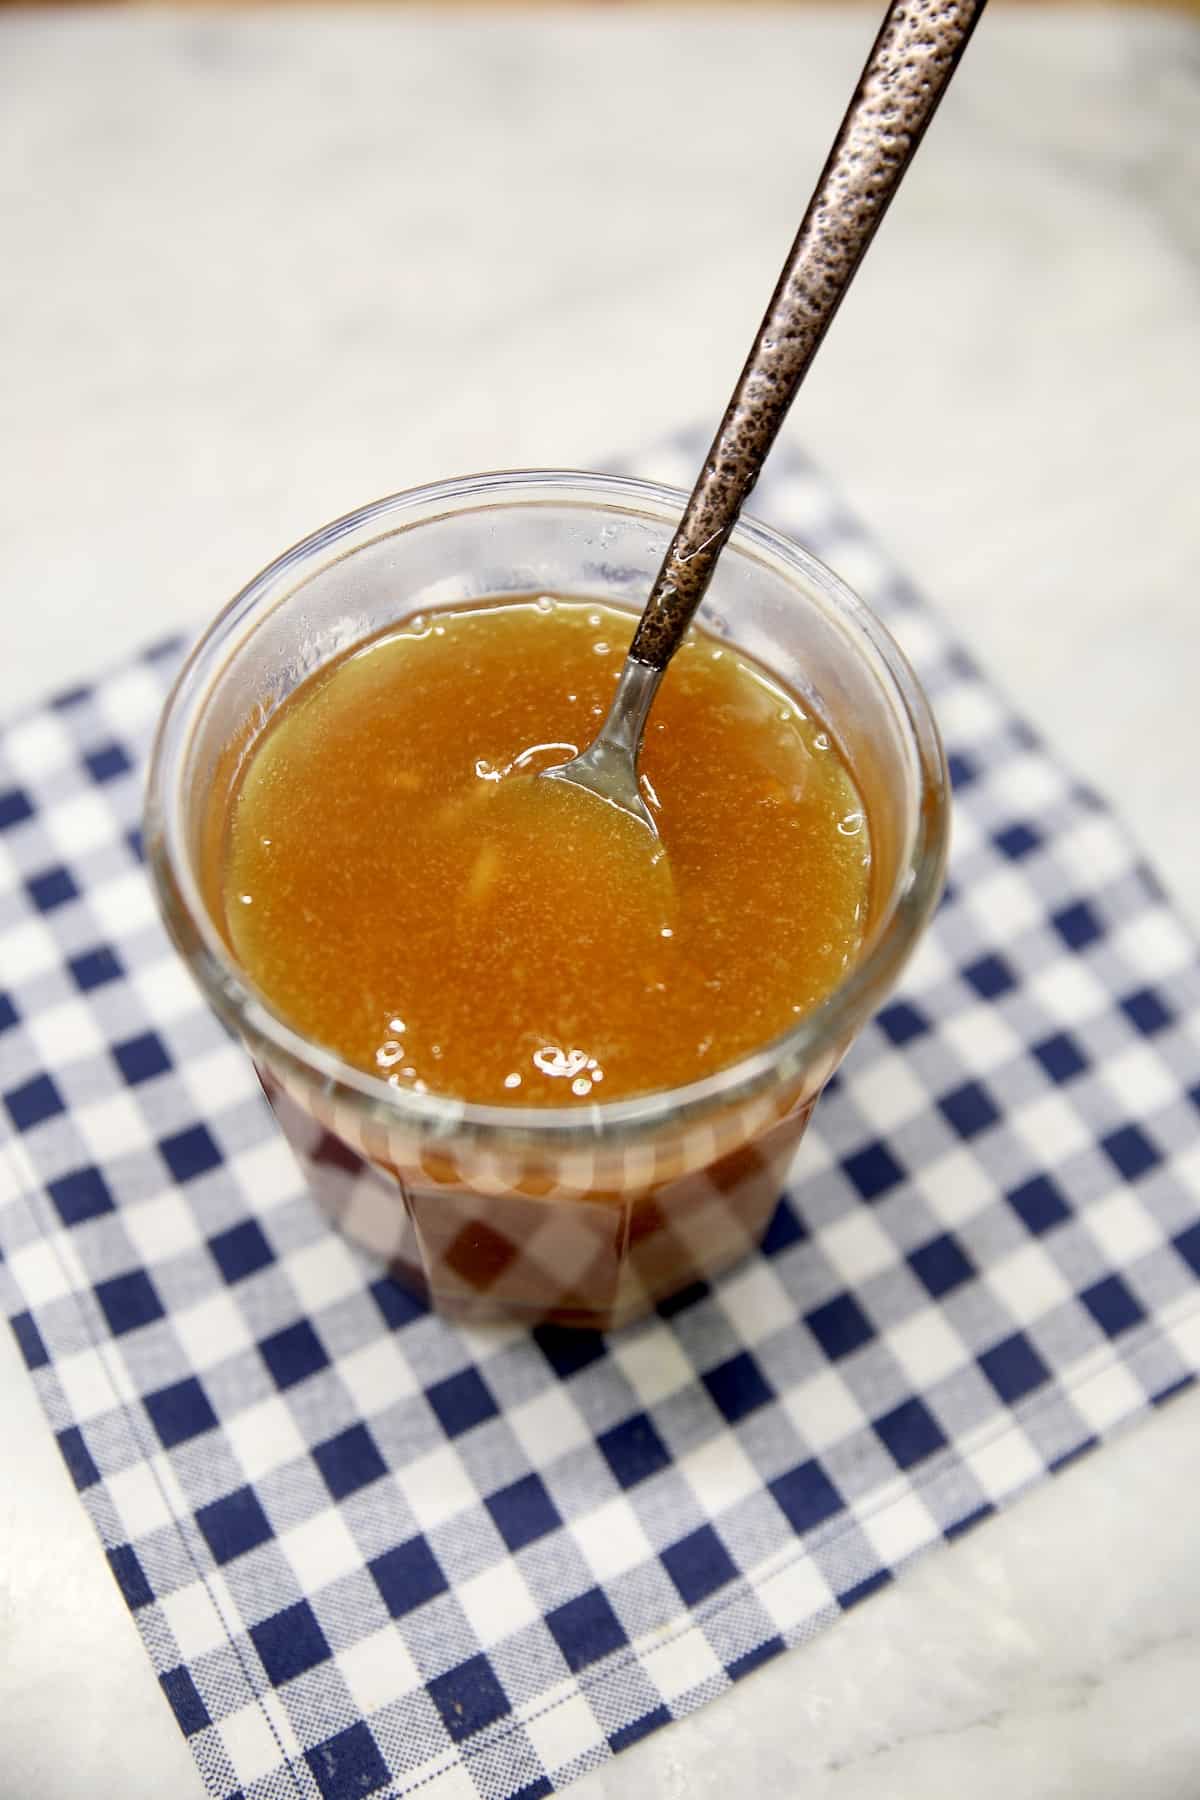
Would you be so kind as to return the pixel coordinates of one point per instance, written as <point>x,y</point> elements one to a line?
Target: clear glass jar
<point>584,1215</point>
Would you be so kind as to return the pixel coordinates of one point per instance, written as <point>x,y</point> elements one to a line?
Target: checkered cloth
<point>370,1552</point>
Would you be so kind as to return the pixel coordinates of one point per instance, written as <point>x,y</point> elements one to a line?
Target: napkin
<point>372,1552</point>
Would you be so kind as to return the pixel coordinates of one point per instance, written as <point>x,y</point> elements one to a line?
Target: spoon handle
<point>905,76</point>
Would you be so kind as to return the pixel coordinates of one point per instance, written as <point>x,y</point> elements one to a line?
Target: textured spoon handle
<point>905,76</point>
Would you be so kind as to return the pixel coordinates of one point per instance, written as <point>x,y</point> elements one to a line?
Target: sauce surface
<point>401,890</point>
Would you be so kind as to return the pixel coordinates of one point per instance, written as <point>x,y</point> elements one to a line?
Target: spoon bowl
<point>606,873</point>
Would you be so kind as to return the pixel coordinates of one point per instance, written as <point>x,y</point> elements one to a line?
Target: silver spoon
<point>904,78</point>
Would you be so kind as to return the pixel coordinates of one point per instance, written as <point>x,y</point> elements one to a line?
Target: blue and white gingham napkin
<point>370,1552</point>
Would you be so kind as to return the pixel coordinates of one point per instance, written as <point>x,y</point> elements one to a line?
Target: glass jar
<point>589,1214</point>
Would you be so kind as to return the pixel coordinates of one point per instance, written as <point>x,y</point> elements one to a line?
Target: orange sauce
<point>401,890</point>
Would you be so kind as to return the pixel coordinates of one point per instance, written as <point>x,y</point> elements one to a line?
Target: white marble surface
<point>257,270</point>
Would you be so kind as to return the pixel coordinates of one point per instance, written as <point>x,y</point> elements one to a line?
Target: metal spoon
<point>904,78</point>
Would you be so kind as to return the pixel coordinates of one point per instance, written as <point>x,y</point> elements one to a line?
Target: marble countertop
<point>258,269</point>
